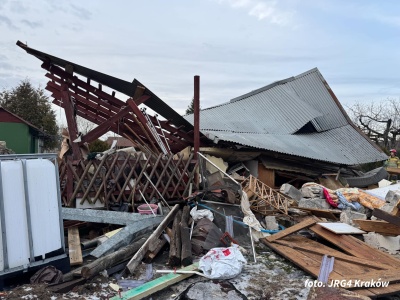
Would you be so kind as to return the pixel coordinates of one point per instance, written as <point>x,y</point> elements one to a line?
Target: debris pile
<point>190,216</point>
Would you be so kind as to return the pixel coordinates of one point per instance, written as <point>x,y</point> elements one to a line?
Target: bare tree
<point>84,125</point>
<point>379,121</point>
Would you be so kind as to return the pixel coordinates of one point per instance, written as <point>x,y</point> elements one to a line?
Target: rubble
<point>391,244</point>
<point>270,223</point>
<point>315,203</point>
<point>291,191</point>
<point>311,191</point>
<point>212,201</point>
<point>347,216</point>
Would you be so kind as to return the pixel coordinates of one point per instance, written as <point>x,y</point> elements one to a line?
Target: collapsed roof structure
<point>292,127</point>
<point>296,124</point>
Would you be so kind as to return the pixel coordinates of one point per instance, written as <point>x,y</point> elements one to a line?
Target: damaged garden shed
<point>292,126</point>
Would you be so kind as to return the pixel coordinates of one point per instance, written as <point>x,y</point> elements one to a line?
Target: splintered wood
<point>263,198</point>
<point>74,246</point>
<point>359,266</point>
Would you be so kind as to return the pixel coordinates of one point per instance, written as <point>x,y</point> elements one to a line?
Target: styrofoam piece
<point>341,228</point>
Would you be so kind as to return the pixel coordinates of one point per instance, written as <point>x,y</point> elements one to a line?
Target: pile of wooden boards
<point>357,262</point>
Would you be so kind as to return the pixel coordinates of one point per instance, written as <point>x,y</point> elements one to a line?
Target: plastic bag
<point>222,263</point>
<point>201,213</point>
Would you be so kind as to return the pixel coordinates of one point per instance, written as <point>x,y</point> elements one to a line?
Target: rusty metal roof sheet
<point>297,116</point>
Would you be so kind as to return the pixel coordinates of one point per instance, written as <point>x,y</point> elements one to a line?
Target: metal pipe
<point>147,202</point>
<point>196,104</point>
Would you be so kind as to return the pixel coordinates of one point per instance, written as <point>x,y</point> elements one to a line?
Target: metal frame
<point>32,263</point>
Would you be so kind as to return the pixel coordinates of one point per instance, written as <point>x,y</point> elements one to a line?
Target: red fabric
<point>329,199</point>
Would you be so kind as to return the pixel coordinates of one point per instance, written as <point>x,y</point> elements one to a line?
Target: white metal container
<point>30,212</point>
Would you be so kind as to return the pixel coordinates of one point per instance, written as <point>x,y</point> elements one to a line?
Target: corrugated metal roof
<point>276,110</point>
<point>342,145</point>
<point>310,86</point>
<point>268,118</point>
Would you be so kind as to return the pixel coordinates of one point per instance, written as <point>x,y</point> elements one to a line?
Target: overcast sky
<point>235,46</point>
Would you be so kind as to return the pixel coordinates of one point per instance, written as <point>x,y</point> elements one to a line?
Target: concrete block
<point>347,216</point>
<point>316,203</point>
<point>392,197</point>
<point>271,224</point>
<point>390,244</point>
<point>311,192</point>
<point>290,191</point>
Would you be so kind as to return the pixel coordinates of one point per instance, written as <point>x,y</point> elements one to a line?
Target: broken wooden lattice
<point>118,177</point>
<point>264,199</point>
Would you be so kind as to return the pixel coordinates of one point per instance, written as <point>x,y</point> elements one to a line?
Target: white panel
<point>43,203</point>
<point>15,213</point>
<point>1,250</point>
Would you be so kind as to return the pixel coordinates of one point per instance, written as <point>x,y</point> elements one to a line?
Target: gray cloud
<point>18,7</point>
<point>5,20</point>
<point>81,12</point>
<point>31,24</point>
<point>5,66</point>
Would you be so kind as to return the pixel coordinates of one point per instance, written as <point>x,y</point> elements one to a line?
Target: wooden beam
<point>321,213</point>
<point>381,227</point>
<point>392,276</point>
<point>95,267</point>
<point>65,287</point>
<point>299,226</point>
<point>298,242</point>
<point>137,258</point>
<point>104,127</point>
<point>381,214</point>
<point>74,247</point>
<point>354,246</point>
<point>71,122</point>
<point>156,285</point>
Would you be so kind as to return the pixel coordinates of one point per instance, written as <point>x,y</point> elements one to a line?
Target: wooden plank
<point>137,258</point>
<point>299,258</point>
<point>299,226</point>
<point>393,170</point>
<point>391,276</point>
<point>341,269</point>
<point>311,264</point>
<point>302,243</point>
<point>392,289</point>
<point>381,227</point>
<point>74,247</point>
<point>354,246</point>
<point>322,213</point>
<point>381,214</point>
<point>266,176</point>
<point>65,287</point>
<point>156,285</point>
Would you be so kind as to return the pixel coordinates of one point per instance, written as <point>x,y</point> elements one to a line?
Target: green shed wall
<point>18,138</point>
